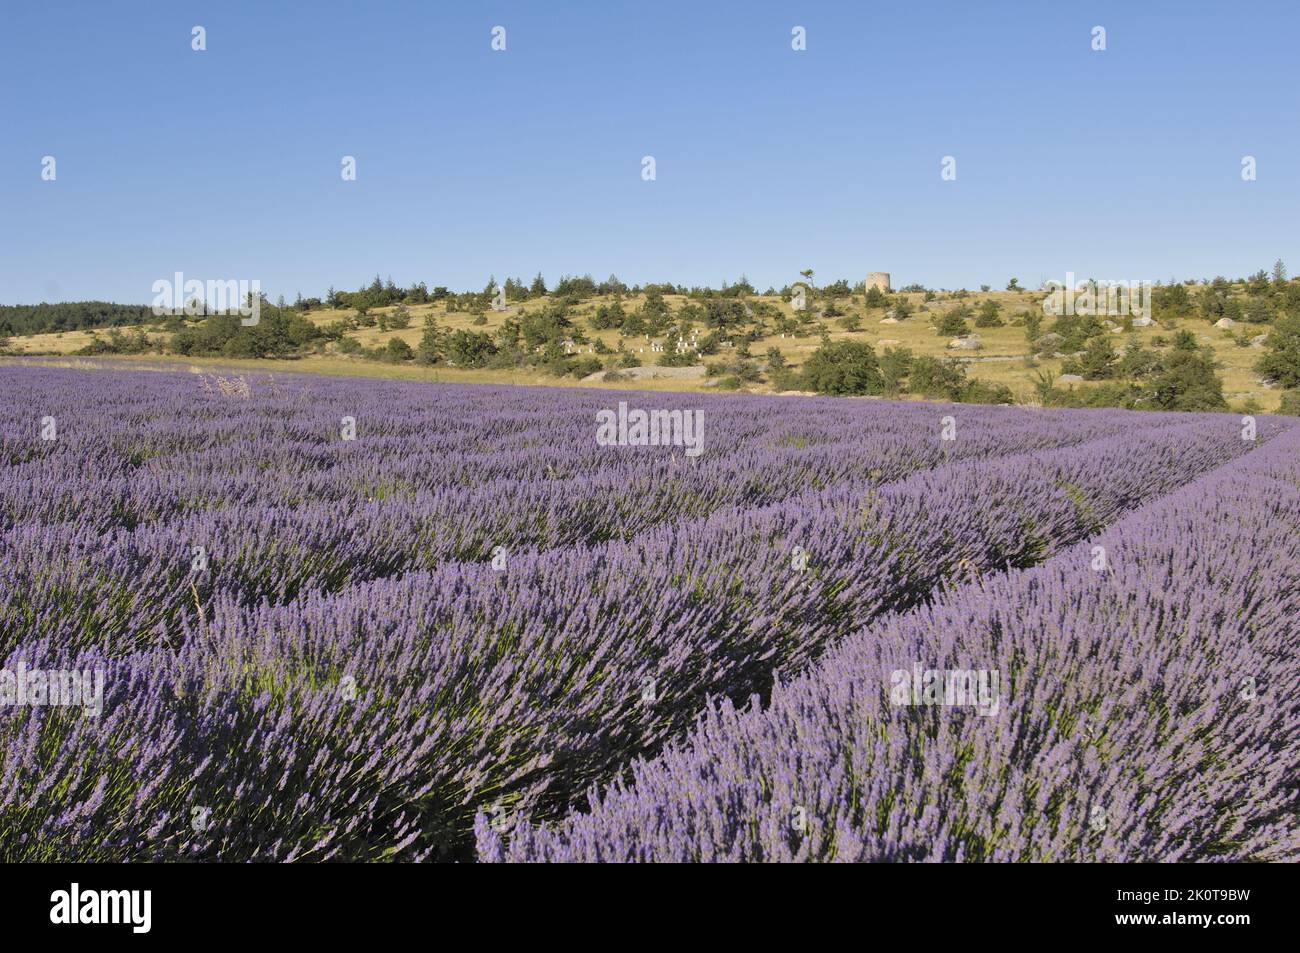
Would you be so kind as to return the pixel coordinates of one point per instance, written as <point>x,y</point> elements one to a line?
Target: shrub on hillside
<point>933,377</point>
<point>117,343</point>
<point>953,324</point>
<point>397,351</point>
<point>1281,363</point>
<point>989,315</point>
<point>1075,330</point>
<point>895,366</point>
<point>469,348</point>
<point>586,366</point>
<point>1187,382</point>
<point>979,391</point>
<point>843,367</point>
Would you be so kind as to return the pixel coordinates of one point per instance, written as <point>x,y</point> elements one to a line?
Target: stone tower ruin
<point>878,279</point>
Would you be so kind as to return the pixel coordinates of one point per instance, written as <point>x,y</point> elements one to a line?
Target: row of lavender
<point>154,500</point>
<point>130,454</point>
<point>373,721</point>
<point>1146,711</point>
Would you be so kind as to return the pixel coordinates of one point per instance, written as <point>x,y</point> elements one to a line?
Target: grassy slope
<point>1006,343</point>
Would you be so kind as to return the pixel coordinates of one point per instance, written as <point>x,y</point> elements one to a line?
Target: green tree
<point>989,315</point>
<point>430,349</point>
<point>397,351</point>
<point>1045,387</point>
<point>932,377</point>
<point>843,367</point>
<point>1257,311</point>
<point>1033,328</point>
<point>1172,301</point>
<point>469,348</point>
<point>634,325</point>
<point>1138,363</point>
<point>1098,360</point>
<point>1210,301</point>
<point>608,316</point>
<point>400,319</point>
<point>978,391</point>
<point>895,366</point>
<point>1187,382</point>
<point>1281,360</point>
<point>1075,330</point>
<point>953,324</point>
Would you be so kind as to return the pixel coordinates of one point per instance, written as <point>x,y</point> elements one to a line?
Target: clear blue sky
<point>226,164</point>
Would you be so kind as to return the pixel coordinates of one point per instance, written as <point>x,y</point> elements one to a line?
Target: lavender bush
<point>474,609</point>
<point>1148,715</point>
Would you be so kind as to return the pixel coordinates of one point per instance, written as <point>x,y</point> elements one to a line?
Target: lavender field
<point>333,619</point>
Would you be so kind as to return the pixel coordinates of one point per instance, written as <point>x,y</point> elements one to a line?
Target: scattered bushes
<point>279,333</point>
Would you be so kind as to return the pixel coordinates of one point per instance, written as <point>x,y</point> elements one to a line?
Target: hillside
<point>360,341</point>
